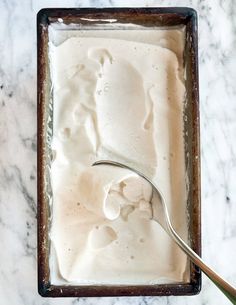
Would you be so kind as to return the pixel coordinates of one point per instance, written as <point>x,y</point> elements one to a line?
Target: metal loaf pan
<point>149,17</point>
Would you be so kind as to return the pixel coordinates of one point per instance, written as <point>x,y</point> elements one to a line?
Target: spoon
<point>161,215</point>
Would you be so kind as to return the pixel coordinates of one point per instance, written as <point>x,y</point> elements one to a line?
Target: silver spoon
<point>161,215</point>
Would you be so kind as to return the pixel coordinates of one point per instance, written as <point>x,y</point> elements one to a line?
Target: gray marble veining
<point>217,58</point>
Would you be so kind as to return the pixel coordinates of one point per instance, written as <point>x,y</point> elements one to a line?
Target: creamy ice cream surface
<point>118,95</point>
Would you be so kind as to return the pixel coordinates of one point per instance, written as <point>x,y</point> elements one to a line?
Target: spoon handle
<point>224,286</point>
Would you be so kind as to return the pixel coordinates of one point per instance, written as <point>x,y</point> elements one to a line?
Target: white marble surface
<point>217,58</point>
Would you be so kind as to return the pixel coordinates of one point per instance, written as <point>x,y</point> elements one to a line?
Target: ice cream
<point>118,95</point>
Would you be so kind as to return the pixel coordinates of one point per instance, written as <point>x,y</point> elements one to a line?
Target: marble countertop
<point>217,59</point>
